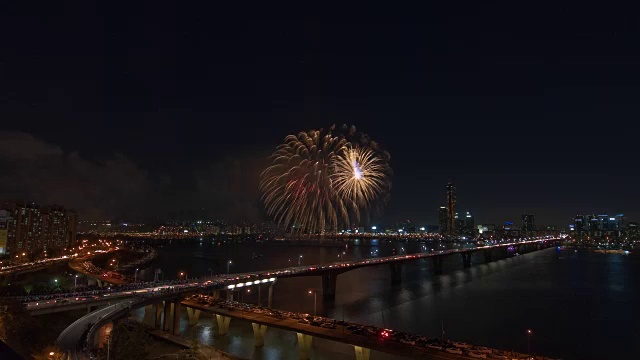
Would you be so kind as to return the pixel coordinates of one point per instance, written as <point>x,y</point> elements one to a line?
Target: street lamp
<point>315,300</point>
<point>228,264</point>
<point>75,281</point>
<point>135,276</point>
<point>300,260</point>
<point>529,333</point>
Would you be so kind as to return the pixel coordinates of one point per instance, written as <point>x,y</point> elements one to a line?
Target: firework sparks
<point>318,180</point>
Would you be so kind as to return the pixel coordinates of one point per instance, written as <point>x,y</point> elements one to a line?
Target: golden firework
<point>360,176</point>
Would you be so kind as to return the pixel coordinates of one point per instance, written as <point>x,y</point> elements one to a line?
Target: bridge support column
<point>223,324</point>
<point>304,345</point>
<point>437,265</point>
<point>466,260</point>
<point>329,287</point>
<point>259,294</point>
<point>167,315</point>
<point>95,341</point>
<point>396,273</point>
<point>100,283</point>
<point>215,294</point>
<point>270,295</point>
<point>176,318</point>
<point>149,313</point>
<point>229,295</point>
<point>158,318</point>
<point>194,316</point>
<point>362,353</point>
<point>487,255</point>
<point>258,333</point>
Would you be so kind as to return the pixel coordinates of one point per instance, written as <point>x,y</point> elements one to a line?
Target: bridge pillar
<point>258,333</point>
<point>176,318</point>
<point>100,283</point>
<point>487,255</point>
<point>259,294</point>
<point>167,315</point>
<point>466,259</point>
<point>437,265</point>
<point>158,318</point>
<point>194,316</point>
<point>362,353</point>
<point>396,273</point>
<point>223,324</point>
<point>304,345</point>
<point>229,295</point>
<point>329,286</point>
<point>95,340</point>
<point>270,295</point>
<point>215,294</point>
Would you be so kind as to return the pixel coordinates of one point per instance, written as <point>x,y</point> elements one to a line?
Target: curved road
<point>69,339</point>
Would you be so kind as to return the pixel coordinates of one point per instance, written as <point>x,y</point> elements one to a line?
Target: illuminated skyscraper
<point>451,208</point>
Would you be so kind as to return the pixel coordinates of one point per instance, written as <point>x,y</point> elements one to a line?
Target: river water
<point>579,305</point>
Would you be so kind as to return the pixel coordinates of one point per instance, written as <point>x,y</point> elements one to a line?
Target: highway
<point>31,266</point>
<point>339,334</point>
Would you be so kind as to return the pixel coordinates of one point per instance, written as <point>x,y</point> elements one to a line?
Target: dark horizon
<point>141,113</point>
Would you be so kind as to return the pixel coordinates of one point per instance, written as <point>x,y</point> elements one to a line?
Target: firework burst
<point>320,180</point>
<point>360,176</point>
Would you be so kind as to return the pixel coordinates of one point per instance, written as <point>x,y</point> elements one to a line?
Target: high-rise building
<point>469,227</point>
<point>443,217</point>
<point>460,223</point>
<point>4,230</point>
<point>593,223</point>
<point>34,229</point>
<point>579,223</point>
<point>633,230</point>
<point>528,222</point>
<point>72,228</point>
<point>451,208</point>
<point>619,221</point>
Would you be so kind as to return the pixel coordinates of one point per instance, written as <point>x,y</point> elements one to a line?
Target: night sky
<point>151,110</point>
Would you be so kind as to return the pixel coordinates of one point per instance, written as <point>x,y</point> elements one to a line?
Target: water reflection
<point>573,297</point>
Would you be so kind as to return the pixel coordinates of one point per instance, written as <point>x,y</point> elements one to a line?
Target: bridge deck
<point>339,334</point>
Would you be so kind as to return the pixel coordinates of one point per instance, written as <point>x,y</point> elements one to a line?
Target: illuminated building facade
<point>34,229</point>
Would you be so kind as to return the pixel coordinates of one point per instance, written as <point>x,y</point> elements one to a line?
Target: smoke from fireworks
<point>323,179</point>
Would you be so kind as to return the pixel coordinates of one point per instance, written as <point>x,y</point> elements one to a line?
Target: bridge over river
<point>168,297</point>
<point>329,273</point>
